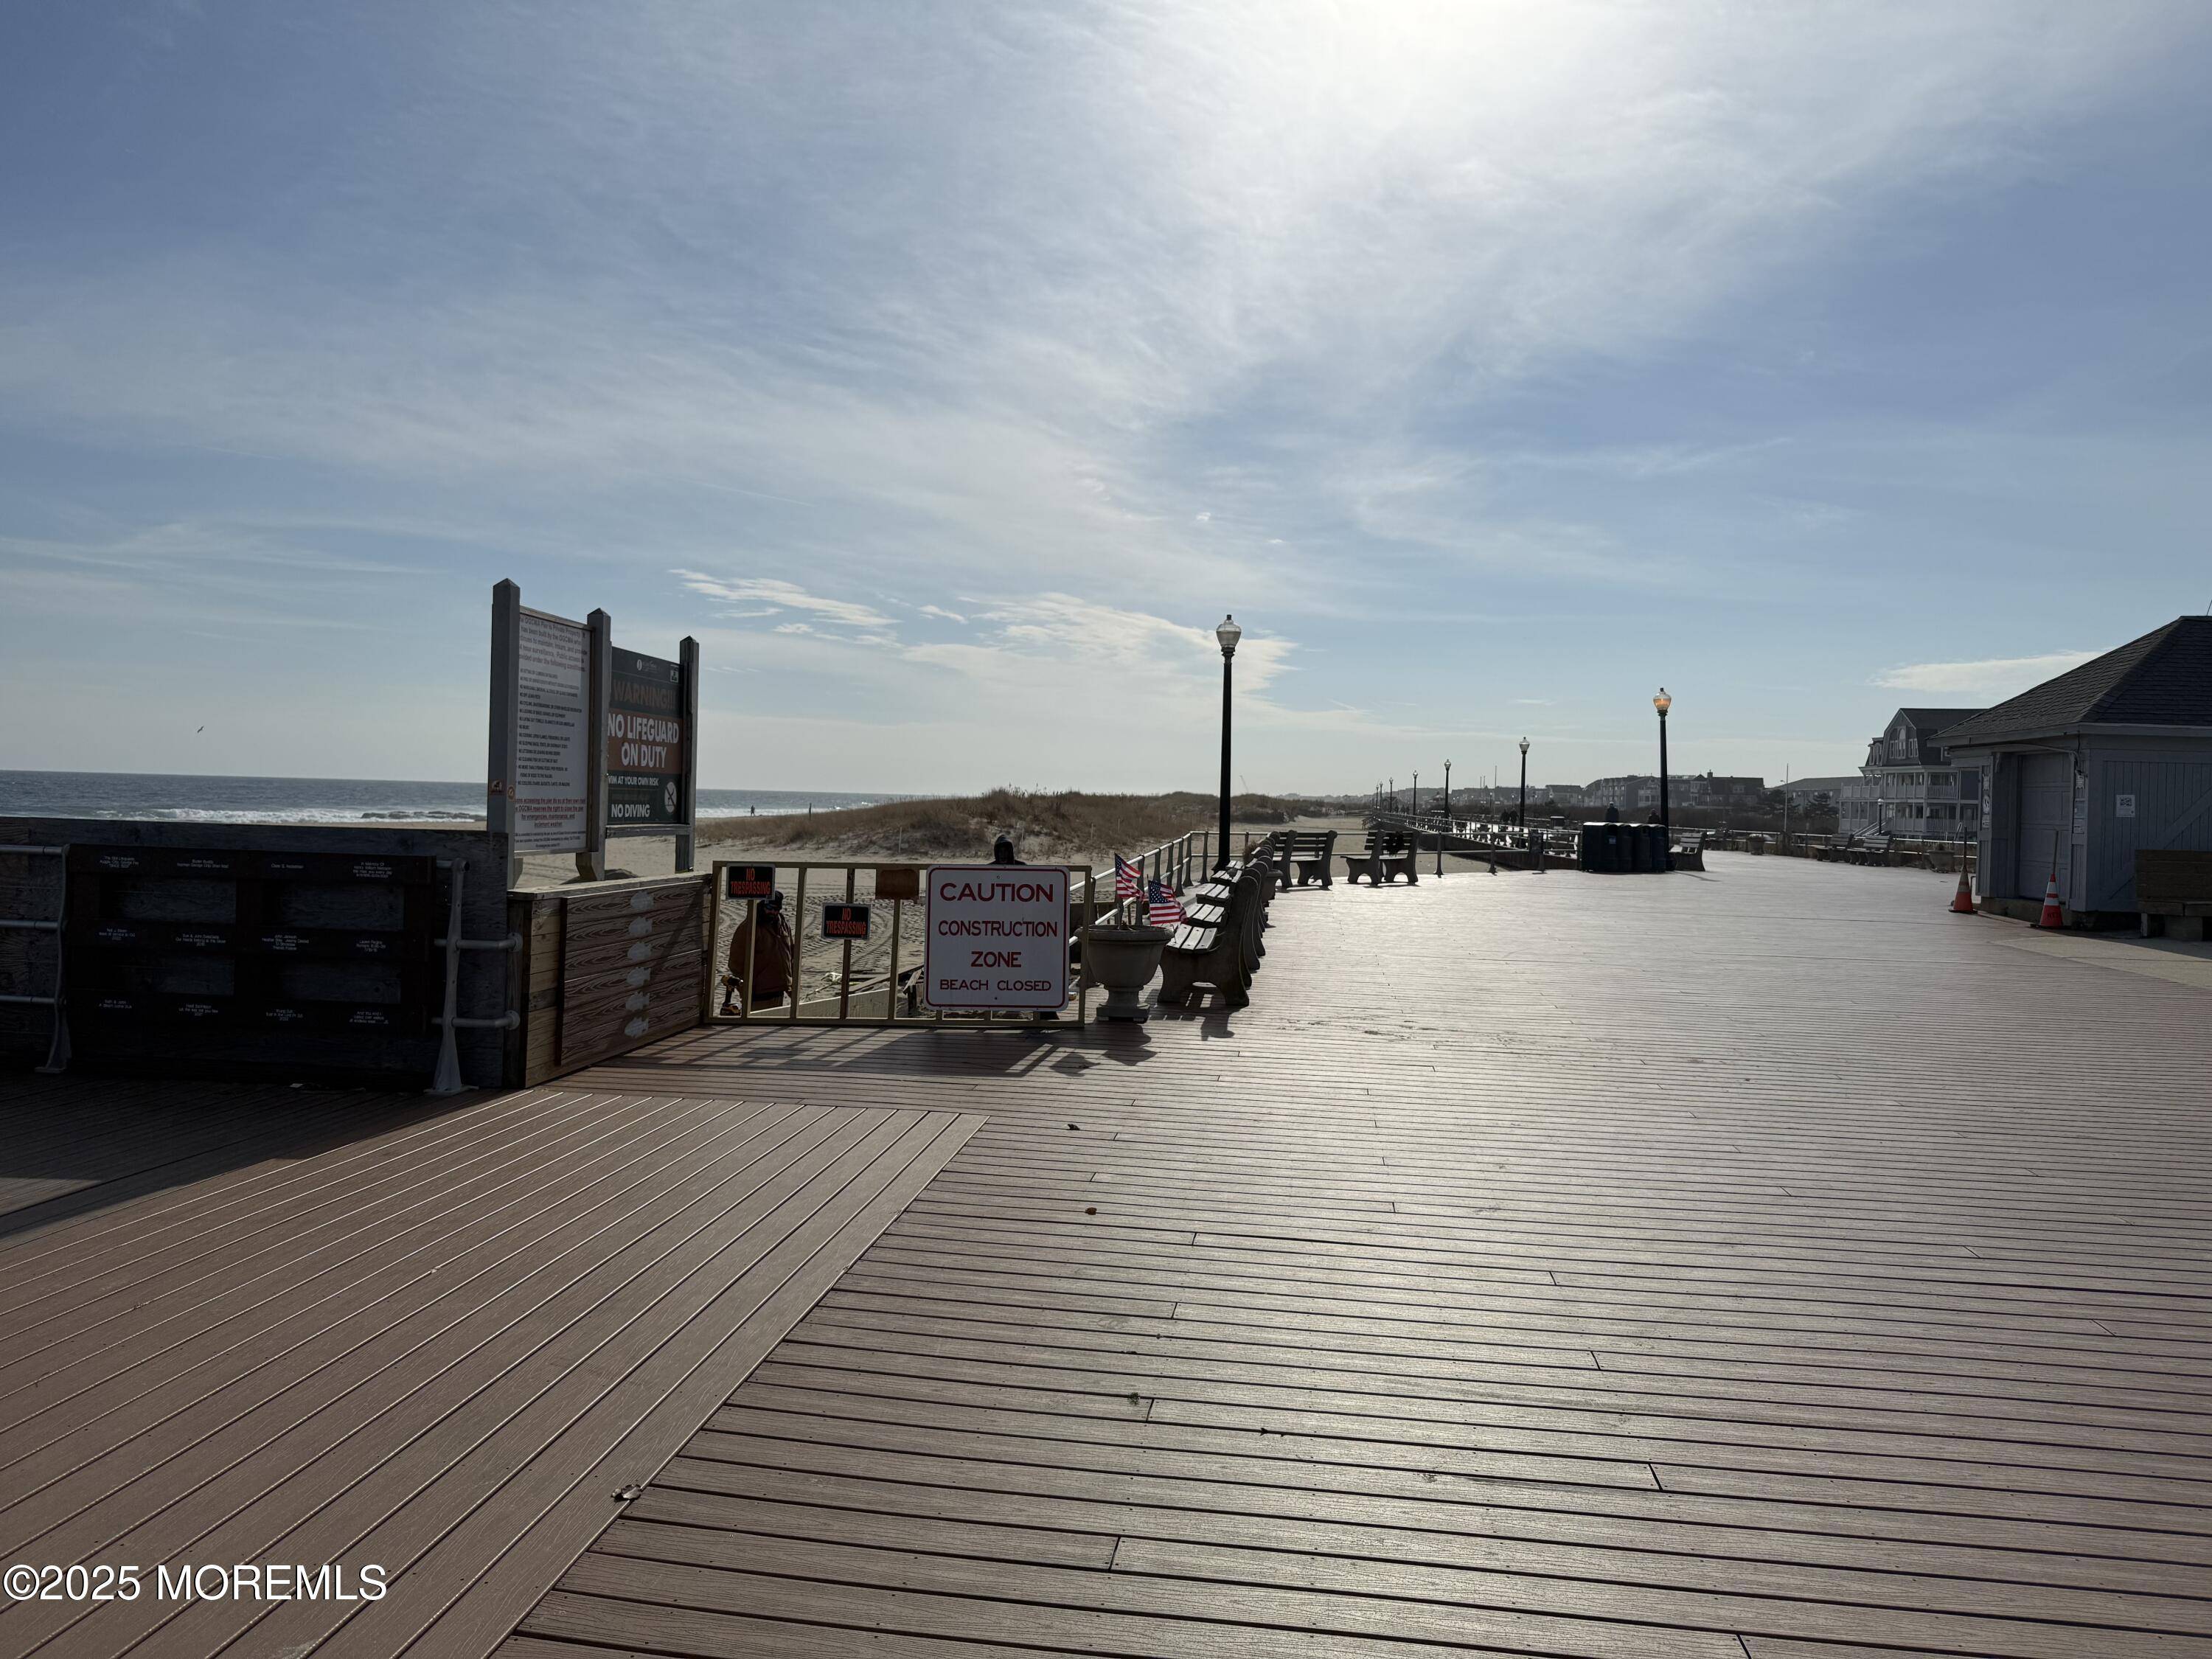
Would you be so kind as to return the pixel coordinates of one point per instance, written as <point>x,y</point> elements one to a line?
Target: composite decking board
<point>328,1348</point>
<point>1571,1580</point>
<point>1546,1400</point>
<point>785,1447</point>
<point>1085,1437</point>
<point>330,1481</point>
<point>569,1424</point>
<point>1524,1238</point>
<point>542,1279</point>
<point>274,1252</point>
<point>120,1233</point>
<point>128,1146</point>
<point>201,1223</point>
<point>787,1505</point>
<point>488,1602</point>
<point>234,1270</point>
<point>1271,1409</point>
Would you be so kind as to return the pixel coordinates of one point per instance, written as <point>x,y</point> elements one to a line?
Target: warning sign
<point>744,881</point>
<point>645,742</point>
<point>844,921</point>
<point>998,936</point>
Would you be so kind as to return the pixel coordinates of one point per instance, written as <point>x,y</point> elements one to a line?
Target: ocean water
<point>184,798</point>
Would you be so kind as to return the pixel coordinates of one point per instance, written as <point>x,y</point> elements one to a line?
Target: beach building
<point>1640,793</point>
<point>1908,787</point>
<point>1629,794</point>
<point>1817,794</point>
<point>2085,770</point>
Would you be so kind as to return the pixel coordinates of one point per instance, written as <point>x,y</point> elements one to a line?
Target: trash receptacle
<point>1603,851</point>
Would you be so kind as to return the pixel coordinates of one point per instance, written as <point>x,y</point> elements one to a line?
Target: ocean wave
<point>292,814</point>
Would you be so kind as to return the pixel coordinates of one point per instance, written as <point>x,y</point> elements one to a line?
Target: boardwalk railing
<point>877,981</point>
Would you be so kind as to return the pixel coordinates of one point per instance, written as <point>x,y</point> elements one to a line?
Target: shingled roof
<point>2164,678</point>
<point>1934,720</point>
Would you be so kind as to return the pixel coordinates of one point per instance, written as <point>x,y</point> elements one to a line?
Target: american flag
<point>1128,880</point>
<point>1166,911</point>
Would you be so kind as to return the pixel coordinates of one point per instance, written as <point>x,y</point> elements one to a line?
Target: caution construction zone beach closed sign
<point>998,936</point>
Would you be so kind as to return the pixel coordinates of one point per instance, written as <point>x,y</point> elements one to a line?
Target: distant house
<point>1708,789</point>
<point>1629,794</point>
<point>1909,786</point>
<point>1822,794</point>
<point>2085,770</point>
<point>1640,794</point>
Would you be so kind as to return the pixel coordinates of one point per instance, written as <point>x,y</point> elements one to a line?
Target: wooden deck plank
<point>427,1342</point>
<point>1771,1261</point>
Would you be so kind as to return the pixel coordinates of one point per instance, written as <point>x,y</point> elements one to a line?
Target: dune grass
<point>1044,825</point>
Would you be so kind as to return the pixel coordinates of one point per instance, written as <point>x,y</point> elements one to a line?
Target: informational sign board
<point>749,881</point>
<point>846,921</point>
<point>645,744</point>
<point>998,936</point>
<point>550,788</point>
<point>2123,806</point>
<point>587,741</point>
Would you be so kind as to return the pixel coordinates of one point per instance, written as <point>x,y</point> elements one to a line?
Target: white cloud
<point>1988,676</point>
<point>939,611</point>
<point>777,595</point>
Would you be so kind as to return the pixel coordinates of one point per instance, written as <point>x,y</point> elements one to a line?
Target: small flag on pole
<point>1165,911</point>
<point>1128,880</point>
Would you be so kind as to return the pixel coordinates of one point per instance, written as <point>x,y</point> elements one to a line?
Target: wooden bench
<point>1310,853</point>
<point>1688,851</point>
<point>1866,849</point>
<point>1388,855</point>
<point>1215,944</point>
<point>2173,892</point>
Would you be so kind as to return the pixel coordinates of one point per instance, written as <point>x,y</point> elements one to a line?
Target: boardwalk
<point>1761,1263</point>
<point>1751,1263</point>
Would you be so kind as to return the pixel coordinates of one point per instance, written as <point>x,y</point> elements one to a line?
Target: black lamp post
<point>1662,702</point>
<point>1447,794</point>
<point>1228,633</point>
<point>1416,812</point>
<point>1524,793</point>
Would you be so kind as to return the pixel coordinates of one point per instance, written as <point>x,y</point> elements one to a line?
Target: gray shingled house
<point>2085,770</point>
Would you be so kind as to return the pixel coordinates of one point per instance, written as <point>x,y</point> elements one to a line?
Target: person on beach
<point>1002,852</point>
<point>770,966</point>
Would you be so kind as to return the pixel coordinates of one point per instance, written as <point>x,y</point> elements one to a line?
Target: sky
<point>948,371</point>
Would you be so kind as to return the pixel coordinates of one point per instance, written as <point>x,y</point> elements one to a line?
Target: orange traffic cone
<point>1962,902</point>
<point>2052,916</point>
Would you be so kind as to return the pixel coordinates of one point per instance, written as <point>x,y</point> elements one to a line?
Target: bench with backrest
<point>1216,942</point>
<point>2173,892</point>
<point>1389,854</point>
<point>1688,851</point>
<point>1866,849</point>
<point>1308,852</point>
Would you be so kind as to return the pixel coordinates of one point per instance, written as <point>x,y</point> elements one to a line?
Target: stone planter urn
<point>1123,960</point>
